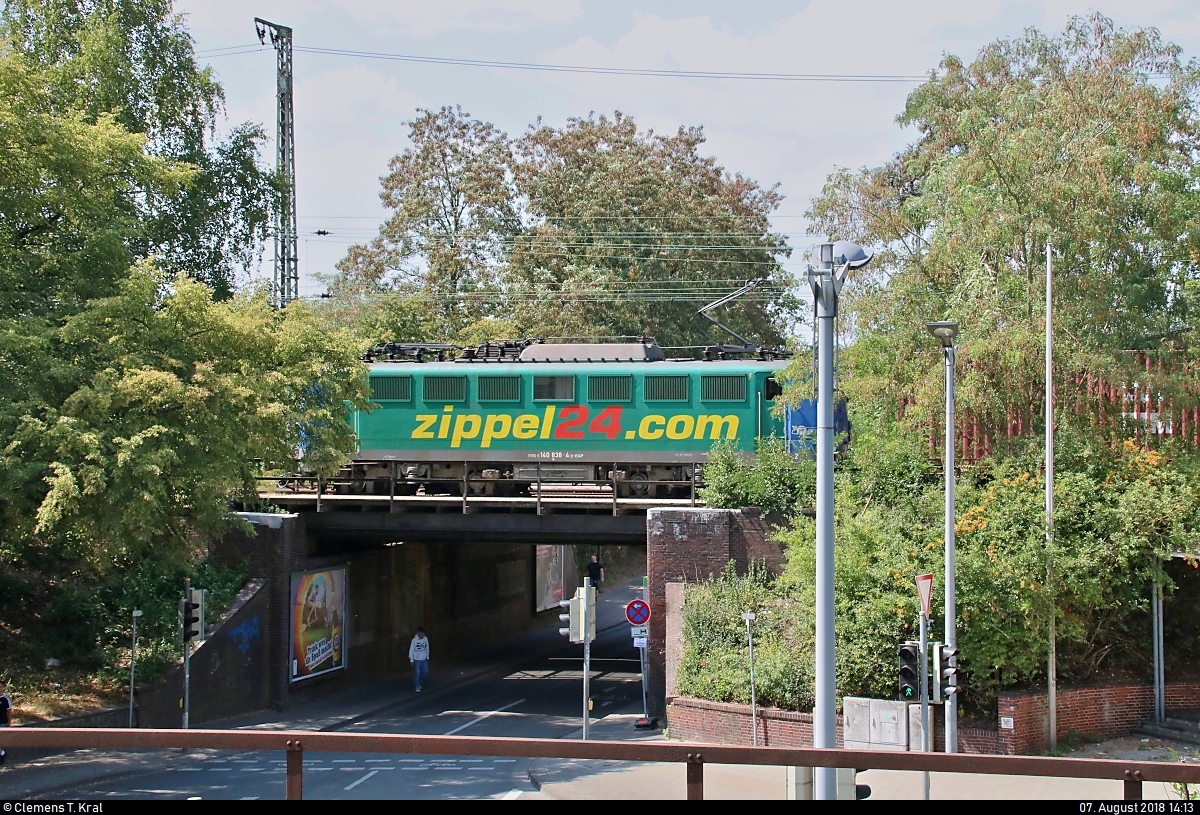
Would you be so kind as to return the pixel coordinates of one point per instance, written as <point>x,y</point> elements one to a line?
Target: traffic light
<point>581,620</point>
<point>590,613</point>
<point>192,606</point>
<point>945,670</point>
<point>910,672</point>
<point>573,619</point>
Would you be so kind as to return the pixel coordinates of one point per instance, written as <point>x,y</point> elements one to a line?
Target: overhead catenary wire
<point>671,73</point>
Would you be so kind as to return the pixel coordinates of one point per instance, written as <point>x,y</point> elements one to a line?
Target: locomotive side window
<point>445,389</point>
<point>771,388</point>
<point>723,388</point>
<point>610,388</point>
<point>395,388</point>
<point>666,389</point>
<point>554,388</point>
<point>499,389</point>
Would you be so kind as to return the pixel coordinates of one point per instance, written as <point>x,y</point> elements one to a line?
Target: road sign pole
<point>642,654</point>
<point>924,674</point>
<point>925,594</point>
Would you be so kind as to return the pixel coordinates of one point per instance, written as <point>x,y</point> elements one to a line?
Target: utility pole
<point>286,273</point>
<point>1052,666</point>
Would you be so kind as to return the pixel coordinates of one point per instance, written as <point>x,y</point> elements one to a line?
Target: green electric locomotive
<point>501,417</point>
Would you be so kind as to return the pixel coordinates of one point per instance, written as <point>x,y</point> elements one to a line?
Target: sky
<point>351,111</point>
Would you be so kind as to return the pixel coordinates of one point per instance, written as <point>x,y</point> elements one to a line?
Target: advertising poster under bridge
<point>318,622</point>
<point>549,575</point>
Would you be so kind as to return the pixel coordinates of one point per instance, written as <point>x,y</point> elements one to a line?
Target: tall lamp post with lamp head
<point>835,260</point>
<point>945,332</point>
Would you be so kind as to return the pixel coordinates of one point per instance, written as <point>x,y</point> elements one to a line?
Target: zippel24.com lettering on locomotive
<point>573,422</point>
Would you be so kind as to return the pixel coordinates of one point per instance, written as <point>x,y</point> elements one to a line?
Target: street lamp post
<point>835,260</point>
<point>945,332</point>
<point>749,618</point>
<point>137,612</point>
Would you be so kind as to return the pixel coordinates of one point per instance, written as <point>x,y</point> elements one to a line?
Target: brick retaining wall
<point>1105,711</point>
<point>707,722</point>
<point>1099,710</point>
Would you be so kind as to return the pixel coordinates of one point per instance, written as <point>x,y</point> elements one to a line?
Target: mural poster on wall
<point>318,622</point>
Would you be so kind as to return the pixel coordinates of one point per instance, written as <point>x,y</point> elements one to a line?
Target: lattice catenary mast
<point>286,273</point>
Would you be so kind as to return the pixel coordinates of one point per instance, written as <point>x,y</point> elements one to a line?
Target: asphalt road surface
<point>543,698</point>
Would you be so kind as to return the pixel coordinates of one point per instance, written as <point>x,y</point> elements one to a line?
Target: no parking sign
<point>637,612</point>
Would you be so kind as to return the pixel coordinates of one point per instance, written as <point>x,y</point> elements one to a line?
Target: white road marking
<point>479,719</point>
<point>411,760</point>
<point>188,769</point>
<point>249,798</point>
<point>344,760</point>
<point>480,769</point>
<point>321,770</point>
<point>245,761</point>
<point>378,760</point>
<point>414,768</point>
<point>364,778</point>
<point>503,760</point>
<point>511,795</point>
<point>352,769</point>
<point>220,769</point>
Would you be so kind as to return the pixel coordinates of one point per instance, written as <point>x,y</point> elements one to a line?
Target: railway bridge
<point>472,571</point>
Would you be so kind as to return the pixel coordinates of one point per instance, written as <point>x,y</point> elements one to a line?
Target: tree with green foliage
<point>629,232</point>
<point>453,206</point>
<point>134,61</point>
<point>592,229</point>
<point>1086,140</point>
<point>136,399</point>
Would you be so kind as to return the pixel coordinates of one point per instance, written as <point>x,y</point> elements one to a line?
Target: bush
<point>80,615</point>
<point>771,478</point>
<point>1119,511</point>
<point>716,659</point>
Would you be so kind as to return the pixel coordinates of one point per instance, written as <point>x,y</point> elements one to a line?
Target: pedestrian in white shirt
<point>418,655</point>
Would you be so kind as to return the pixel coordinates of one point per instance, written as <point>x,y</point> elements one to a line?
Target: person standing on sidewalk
<point>418,655</point>
<point>6,706</point>
<point>595,571</point>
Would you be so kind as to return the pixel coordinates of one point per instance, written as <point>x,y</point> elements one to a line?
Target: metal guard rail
<point>316,486</point>
<point>694,756</point>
